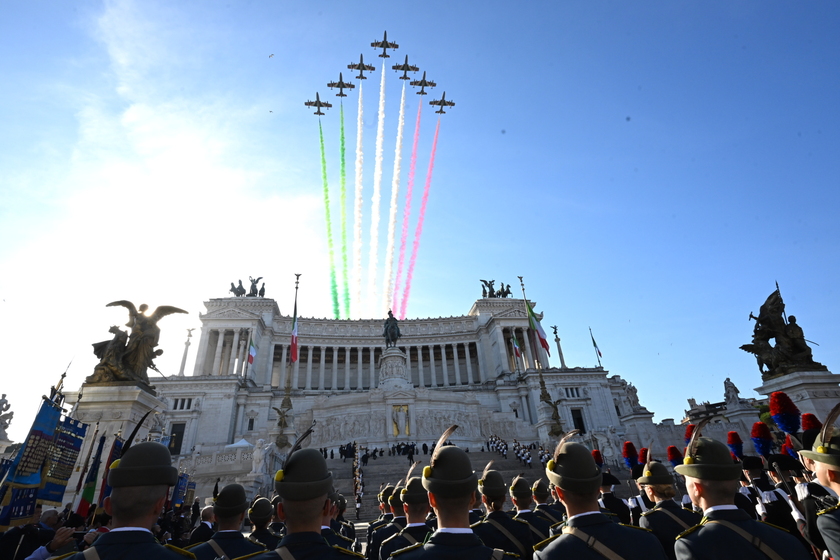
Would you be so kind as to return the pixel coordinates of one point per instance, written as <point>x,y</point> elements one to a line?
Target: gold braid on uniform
<point>406,549</point>
<point>542,544</point>
<point>348,552</point>
<point>828,510</point>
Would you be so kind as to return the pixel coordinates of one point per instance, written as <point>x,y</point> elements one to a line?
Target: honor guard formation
<point>773,506</point>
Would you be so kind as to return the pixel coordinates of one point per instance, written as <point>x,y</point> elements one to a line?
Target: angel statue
<point>129,361</point>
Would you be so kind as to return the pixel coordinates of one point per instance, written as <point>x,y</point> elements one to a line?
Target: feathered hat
<point>599,459</point>
<point>689,431</point>
<point>784,412</point>
<point>674,455</point>
<point>735,444</point>
<point>761,438</point>
<point>631,457</point>
<point>810,422</point>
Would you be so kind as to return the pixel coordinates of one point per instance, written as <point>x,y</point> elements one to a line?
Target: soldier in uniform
<point>666,519</point>
<point>396,525</point>
<point>541,494</point>
<point>415,503</point>
<point>260,515</point>
<point>589,534</point>
<point>385,515</point>
<point>340,524</point>
<point>140,482</point>
<point>451,484</point>
<point>499,530</point>
<point>303,485</point>
<point>276,526</point>
<point>610,502</point>
<point>825,454</point>
<point>228,540</point>
<point>711,478</point>
<point>813,496</point>
<point>520,495</point>
<point>638,504</point>
<point>333,537</point>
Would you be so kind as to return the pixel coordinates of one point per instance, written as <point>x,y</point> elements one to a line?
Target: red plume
<point>643,456</point>
<point>760,430</point>
<point>689,430</point>
<point>674,455</point>
<point>732,438</point>
<point>629,450</point>
<point>599,459</point>
<point>810,422</point>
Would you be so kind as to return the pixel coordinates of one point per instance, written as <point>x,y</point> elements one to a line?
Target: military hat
<point>751,463</point>
<point>395,499</point>
<point>656,473</point>
<point>520,489</point>
<point>573,468</point>
<point>385,493</point>
<point>340,501</point>
<point>449,473</point>
<point>304,476</point>
<point>808,438</point>
<point>785,463</point>
<point>637,471</point>
<point>144,464</point>
<point>709,459</point>
<point>609,479</point>
<point>540,489</point>
<point>825,452</point>
<point>261,511</point>
<point>231,501</point>
<point>492,483</point>
<point>414,493</point>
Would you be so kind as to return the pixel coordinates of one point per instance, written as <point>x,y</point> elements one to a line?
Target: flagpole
<point>525,299</point>
<point>597,355</point>
<point>287,398</point>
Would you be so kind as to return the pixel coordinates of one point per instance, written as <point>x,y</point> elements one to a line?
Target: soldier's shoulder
<point>414,546</point>
<point>829,510</point>
<point>193,545</point>
<point>476,524</point>
<point>518,520</point>
<point>63,556</point>
<point>689,531</point>
<point>257,553</point>
<point>636,527</point>
<point>348,539</point>
<point>542,544</point>
<point>558,524</point>
<point>649,512</point>
<point>181,551</point>
<point>256,541</point>
<point>774,526</point>
<point>346,551</point>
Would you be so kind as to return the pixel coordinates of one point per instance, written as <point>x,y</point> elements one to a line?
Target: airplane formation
<point>405,68</point>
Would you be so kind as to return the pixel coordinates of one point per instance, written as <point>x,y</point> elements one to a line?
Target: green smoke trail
<point>346,287</point>
<point>329,223</point>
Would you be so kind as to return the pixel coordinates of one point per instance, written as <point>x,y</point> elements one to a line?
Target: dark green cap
<point>385,493</point>
<point>231,501</point>
<point>261,511</point>
<point>395,499</point>
<point>449,473</point>
<point>144,464</point>
<point>414,493</point>
<point>655,473</point>
<point>574,469</point>
<point>711,460</point>
<point>822,453</point>
<point>492,484</point>
<point>540,489</point>
<point>304,476</point>
<point>520,489</point>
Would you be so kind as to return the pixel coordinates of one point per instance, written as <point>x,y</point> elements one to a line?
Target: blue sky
<point>650,169</point>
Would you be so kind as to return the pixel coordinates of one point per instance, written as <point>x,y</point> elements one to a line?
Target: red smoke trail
<point>419,230</point>
<point>407,213</point>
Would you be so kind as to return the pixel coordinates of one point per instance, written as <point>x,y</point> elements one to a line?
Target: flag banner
<point>516,347</point>
<point>252,351</point>
<point>20,486</point>
<point>180,490</point>
<point>63,456</point>
<point>116,452</point>
<point>598,350</point>
<point>90,482</point>
<point>190,495</point>
<point>293,354</point>
<point>537,328</point>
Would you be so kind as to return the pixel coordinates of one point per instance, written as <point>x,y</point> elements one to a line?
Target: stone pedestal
<point>117,407</point>
<point>811,391</point>
<point>255,483</point>
<point>392,371</point>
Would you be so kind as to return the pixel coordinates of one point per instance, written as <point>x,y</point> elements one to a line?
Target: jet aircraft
<point>361,67</point>
<point>318,104</point>
<point>341,85</point>
<point>406,68</point>
<point>423,83</point>
<point>384,45</point>
<point>442,102</point>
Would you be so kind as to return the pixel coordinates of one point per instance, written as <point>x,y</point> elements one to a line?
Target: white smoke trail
<point>373,260</point>
<point>392,218</point>
<point>357,213</point>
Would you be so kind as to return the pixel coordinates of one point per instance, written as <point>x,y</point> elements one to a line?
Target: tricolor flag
<point>90,483</point>
<point>252,351</point>
<point>598,350</point>
<point>515,347</point>
<point>293,355</point>
<point>536,327</point>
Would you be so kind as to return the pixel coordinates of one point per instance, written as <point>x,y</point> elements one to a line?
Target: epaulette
<point>255,541</point>
<point>558,524</point>
<point>689,531</point>
<point>775,526</point>
<point>828,510</point>
<point>181,551</point>
<point>406,549</point>
<point>392,537</point>
<point>541,544</point>
<point>348,539</point>
<point>636,527</point>
<point>250,555</point>
<point>609,513</point>
<point>348,552</point>
<point>520,520</point>
<point>648,512</point>
<point>477,523</point>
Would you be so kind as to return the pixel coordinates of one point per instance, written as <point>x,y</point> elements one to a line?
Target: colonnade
<point>228,353</point>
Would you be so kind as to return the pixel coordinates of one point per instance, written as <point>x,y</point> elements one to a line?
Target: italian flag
<point>252,351</point>
<point>595,345</point>
<point>515,347</point>
<point>536,327</point>
<point>293,356</point>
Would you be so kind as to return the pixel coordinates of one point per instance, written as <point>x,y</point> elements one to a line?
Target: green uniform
<point>660,520</point>
<point>631,543</point>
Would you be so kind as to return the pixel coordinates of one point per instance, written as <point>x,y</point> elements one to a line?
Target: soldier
<point>396,525</point>
<point>666,519</point>
<point>140,482</point>
<point>260,515</point>
<point>385,515</point>
<point>277,527</point>
<point>825,454</point>
<point>813,496</point>
<point>451,484</point>
<point>303,485</point>
<point>520,495</point>
<point>415,503</point>
<point>638,504</point>
<point>228,540</point>
<point>499,530</point>
<point>711,478</point>
<point>540,493</point>
<point>609,502</point>
<point>340,524</point>
<point>333,537</point>
<point>588,533</point>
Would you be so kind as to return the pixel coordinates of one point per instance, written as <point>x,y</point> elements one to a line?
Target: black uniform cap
<point>231,501</point>
<point>637,471</point>
<point>144,464</point>
<point>609,479</point>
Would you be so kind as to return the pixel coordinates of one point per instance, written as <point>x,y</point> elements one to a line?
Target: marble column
<point>240,369</point>
<point>372,368</point>
<point>445,366</point>
<point>456,359</point>
<point>204,349</point>
<point>334,384</point>
<point>234,350</point>
<point>468,357</point>
<point>274,370</point>
<point>308,385</point>
<point>240,413</point>
<point>503,351</point>
<point>432,364</point>
<point>420,375</point>
<point>528,352</point>
<point>360,368</point>
<point>217,360</point>
<point>408,364</point>
<point>482,367</point>
<point>322,362</point>
<point>526,414</point>
<point>347,356</point>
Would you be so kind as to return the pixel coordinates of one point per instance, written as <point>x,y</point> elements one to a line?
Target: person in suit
<point>204,531</point>
<point>711,479</point>
<point>229,511</point>
<point>499,530</point>
<point>666,519</point>
<point>588,534</point>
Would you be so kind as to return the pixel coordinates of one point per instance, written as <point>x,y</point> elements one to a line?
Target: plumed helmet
<point>449,472</point>
<point>520,488</point>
